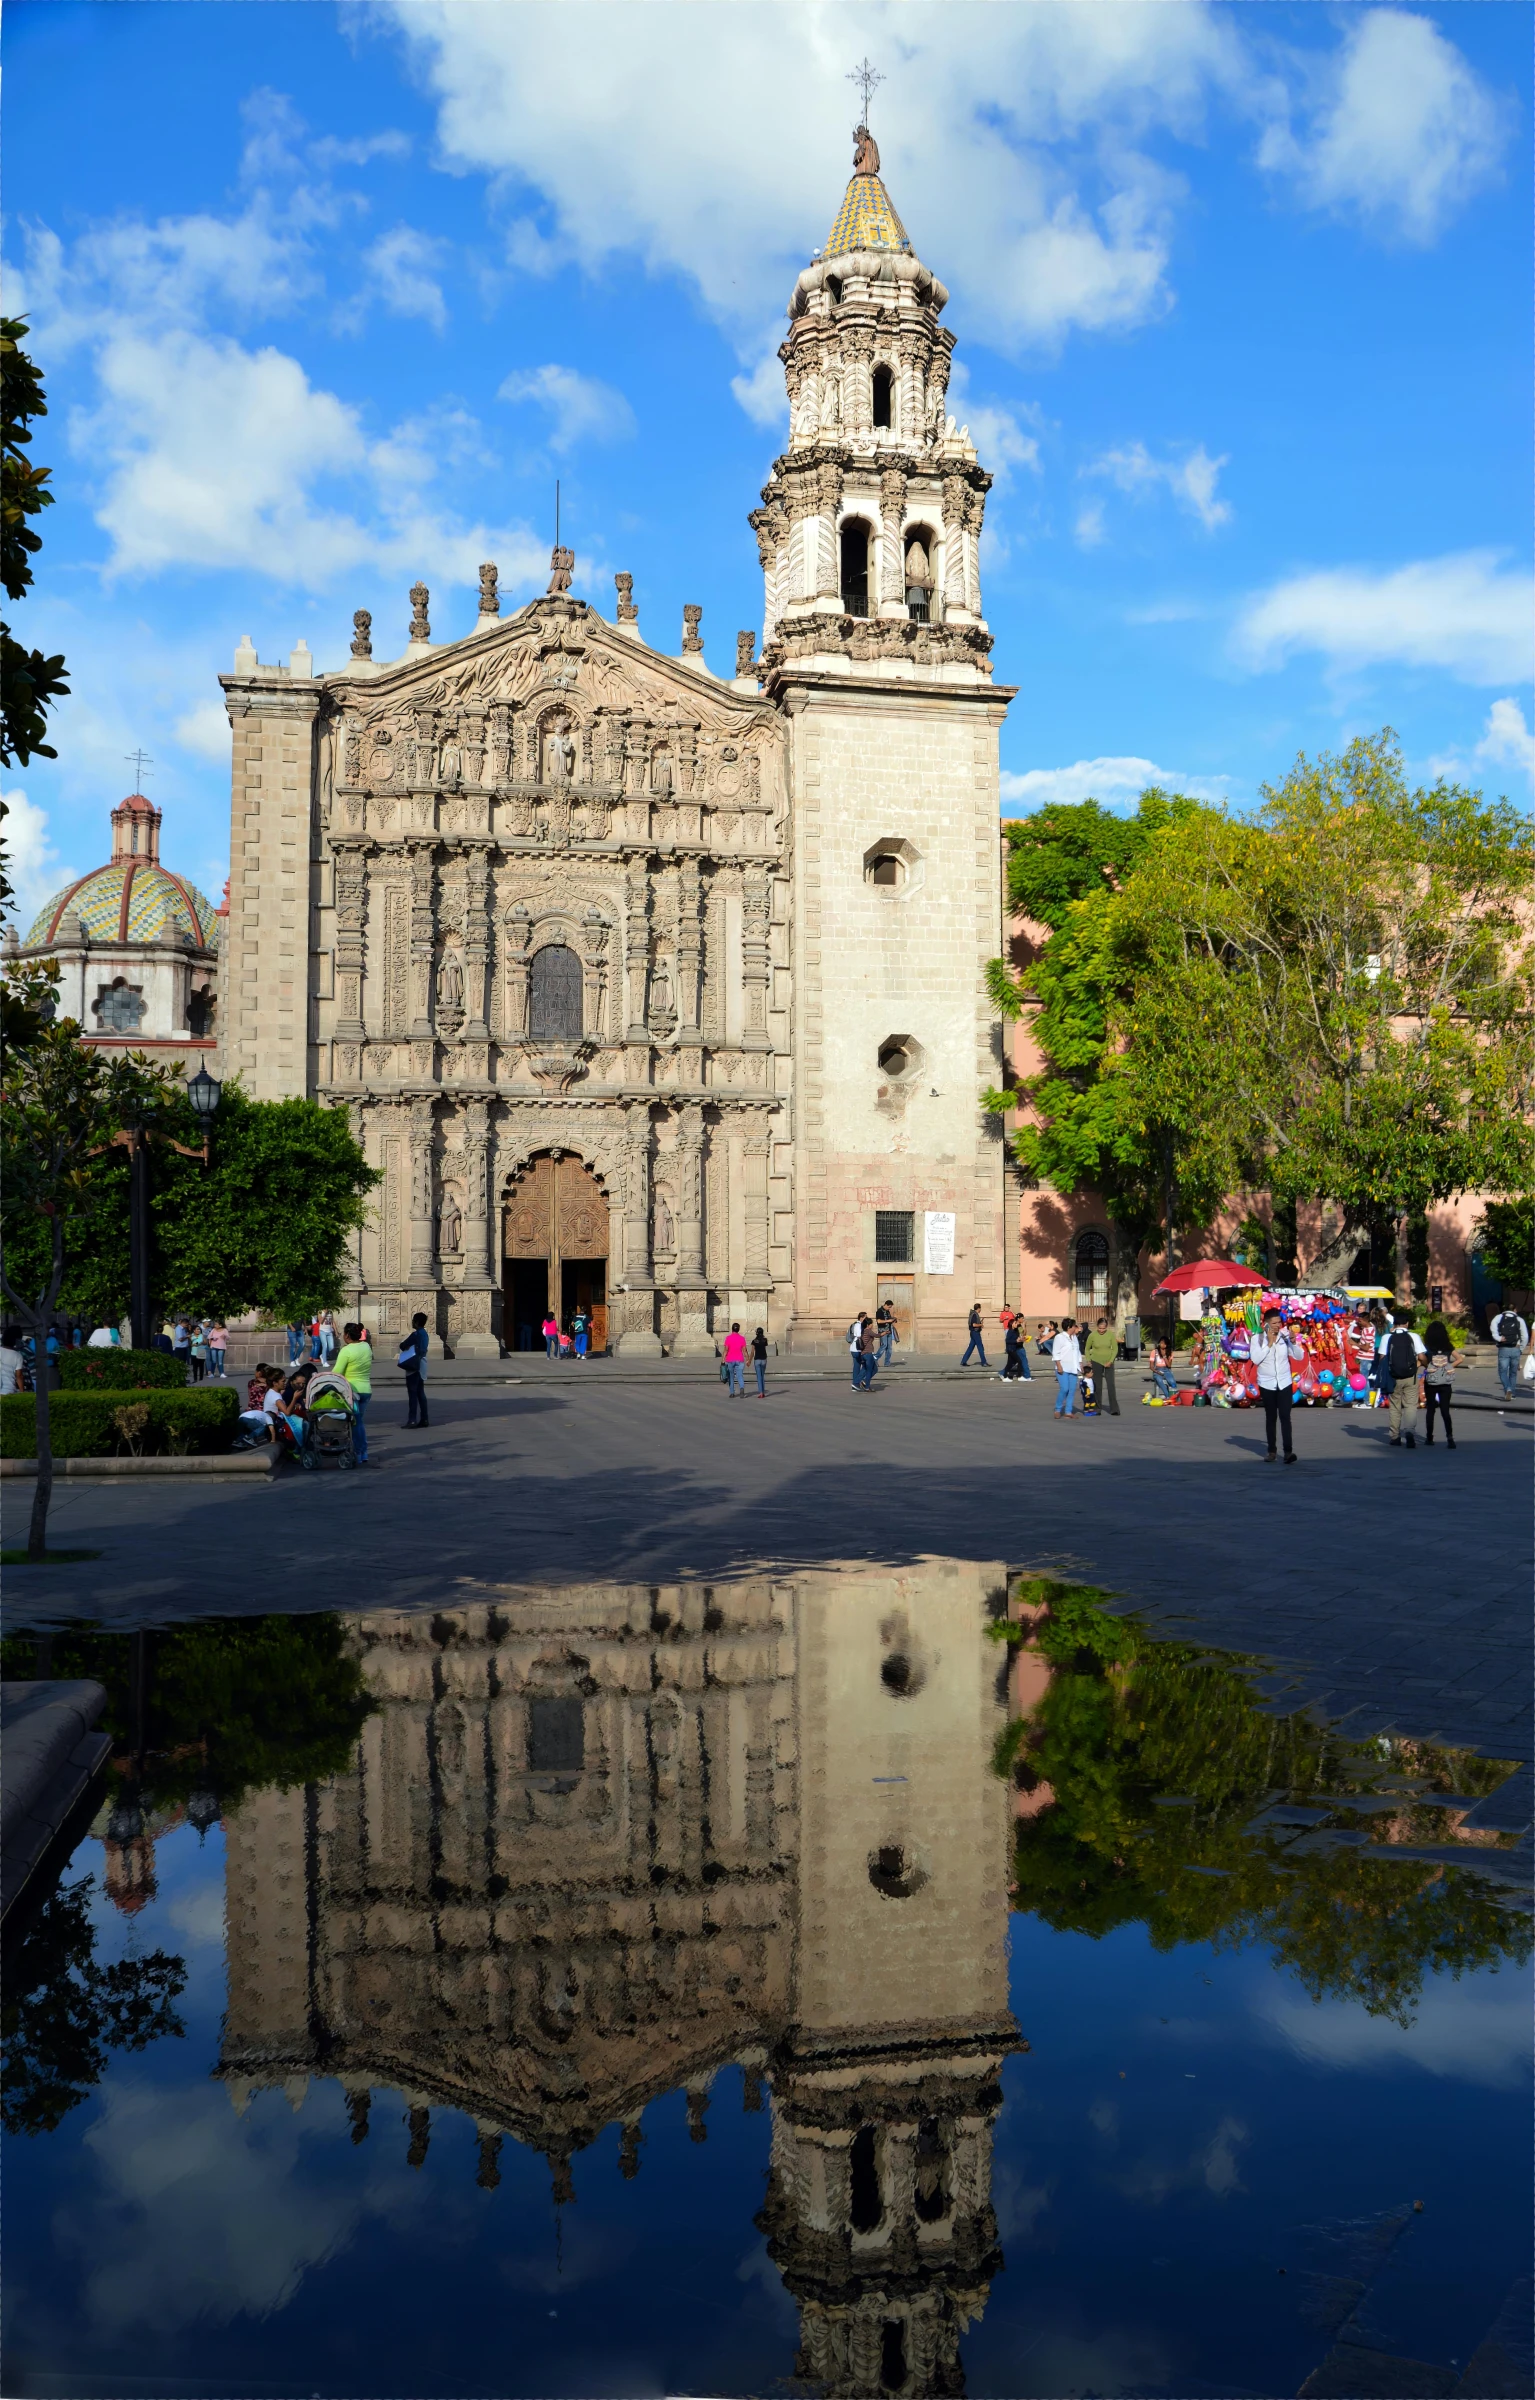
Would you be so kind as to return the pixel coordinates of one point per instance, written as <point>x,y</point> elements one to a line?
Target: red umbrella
<point>1209,1275</point>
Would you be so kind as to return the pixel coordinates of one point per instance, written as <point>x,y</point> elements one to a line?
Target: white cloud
<point>578,407</point>
<point>1191,480</point>
<point>1396,129</point>
<point>1466,2032</point>
<point>1507,740</point>
<point>762,391</point>
<point>1469,614</point>
<point>401,269</point>
<point>997,431</point>
<point>1060,221</point>
<point>1112,782</point>
<point>1089,527</point>
<point>204,730</point>
<point>35,868</point>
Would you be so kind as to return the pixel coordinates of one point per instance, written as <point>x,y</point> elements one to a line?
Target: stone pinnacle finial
<point>362,633</point>
<point>692,639</point>
<point>420,626</point>
<point>490,597</point>
<point>562,563</point>
<point>746,644</point>
<point>628,614</point>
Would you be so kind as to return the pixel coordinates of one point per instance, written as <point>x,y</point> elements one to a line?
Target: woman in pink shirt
<point>735,1360</point>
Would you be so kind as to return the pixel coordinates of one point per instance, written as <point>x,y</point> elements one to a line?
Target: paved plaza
<point>1393,1582</point>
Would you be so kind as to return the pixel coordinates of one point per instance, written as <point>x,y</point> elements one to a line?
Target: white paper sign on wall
<point>938,1242</point>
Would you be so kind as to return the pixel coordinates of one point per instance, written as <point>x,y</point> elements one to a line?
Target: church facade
<point>650,990</point>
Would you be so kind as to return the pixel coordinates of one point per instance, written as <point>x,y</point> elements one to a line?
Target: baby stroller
<point>332,1408</point>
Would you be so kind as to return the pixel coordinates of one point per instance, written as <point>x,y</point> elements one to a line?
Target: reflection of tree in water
<point>199,1717</point>
<point>64,2011</point>
<point>215,1710</point>
<point>1125,1723</point>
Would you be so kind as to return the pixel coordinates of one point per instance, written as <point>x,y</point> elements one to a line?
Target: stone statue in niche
<point>450,1226</point>
<point>661,775</point>
<point>450,758</point>
<point>831,407</point>
<point>450,983</point>
<point>661,994</point>
<point>666,1231</point>
<point>559,752</point>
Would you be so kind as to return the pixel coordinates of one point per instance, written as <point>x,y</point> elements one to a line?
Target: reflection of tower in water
<point>600,1842</point>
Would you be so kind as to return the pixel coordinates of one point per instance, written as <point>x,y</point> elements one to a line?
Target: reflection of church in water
<point>600,1843</point>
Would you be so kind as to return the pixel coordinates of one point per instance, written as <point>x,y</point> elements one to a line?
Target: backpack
<point>1402,1355</point>
<point>1505,1332</point>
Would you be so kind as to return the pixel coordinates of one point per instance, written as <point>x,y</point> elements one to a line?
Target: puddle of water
<point>862,1982</point>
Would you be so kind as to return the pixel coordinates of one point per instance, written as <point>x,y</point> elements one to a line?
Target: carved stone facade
<point>562,895</point>
<point>599,1844</point>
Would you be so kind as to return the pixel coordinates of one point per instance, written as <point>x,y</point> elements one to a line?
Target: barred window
<point>1092,1271</point>
<point>894,1234</point>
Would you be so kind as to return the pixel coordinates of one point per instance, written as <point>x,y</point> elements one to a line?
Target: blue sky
<point>326,298</point>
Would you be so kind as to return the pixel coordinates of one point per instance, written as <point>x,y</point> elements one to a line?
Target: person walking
<point>1273,1352</point>
<point>1510,1333</point>
<point>1066,1358</point>
<point>1015,1365</point>
<point>581,1330</point>
<point>735,1362</point>
<point>1101,1351</point>
<point>867,1360</point>
<point>975,1322</point>
<point>354,1360</point>
<point>1380,1367</point>
<point>550,1329</point>
<point>327,1337</point>
<point>1438,1381</point>
<point>759,1360</point>
<point>411,1355</point>
<point>884,1321</point>
<point>1403,1353</point>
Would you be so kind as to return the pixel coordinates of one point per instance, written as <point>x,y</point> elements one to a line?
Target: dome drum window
<point>119,1007</point>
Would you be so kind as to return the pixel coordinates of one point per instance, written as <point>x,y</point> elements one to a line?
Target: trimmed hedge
<point>121,1371</point>
<point>81,1423</point>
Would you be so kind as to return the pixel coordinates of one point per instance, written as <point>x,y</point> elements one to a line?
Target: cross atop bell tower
<point>870,524</point>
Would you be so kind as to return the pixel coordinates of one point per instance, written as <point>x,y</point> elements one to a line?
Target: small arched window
<point>200,1010</point>
<point>855,567</point>
<point>1092,1275</point>
<point>554,995</point>
<point>867,2201</point>
<point>884,397</point>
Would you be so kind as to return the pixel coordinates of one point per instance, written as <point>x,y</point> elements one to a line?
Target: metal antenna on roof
<point>139,760</point>
<point>868,80</point>
<point>556,512</point>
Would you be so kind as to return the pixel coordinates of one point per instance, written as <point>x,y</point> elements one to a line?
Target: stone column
<point>757,1145</point>
<point>476,1026</point>
<point>892,550</point>
<point>637,954</point>
<point>421,1278</point>
<point>422,879</point>
<point>474,1334</point>
<point>756,959</point>
<point>828,562</point>
<point>955,495</point>
<point>351,950</point>
<point>629,1243</point>
<point>689,954</point>
<point>519,930</point>
<point>694,1339</point>
<point>975,513</point>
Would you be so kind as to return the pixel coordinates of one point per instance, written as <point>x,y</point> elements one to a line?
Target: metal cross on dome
<point>139,760</point>
<point>868,80</point>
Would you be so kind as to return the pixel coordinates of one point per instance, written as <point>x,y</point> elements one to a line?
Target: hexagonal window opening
<point>900,1057</point>
<point>890,866</point>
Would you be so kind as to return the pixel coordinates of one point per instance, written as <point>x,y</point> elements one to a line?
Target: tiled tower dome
<point>130,898</point>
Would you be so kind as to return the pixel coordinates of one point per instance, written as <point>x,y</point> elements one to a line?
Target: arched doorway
<point>554,1249</point>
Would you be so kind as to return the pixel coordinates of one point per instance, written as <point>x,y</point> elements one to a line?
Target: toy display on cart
<point>1333,1369</point>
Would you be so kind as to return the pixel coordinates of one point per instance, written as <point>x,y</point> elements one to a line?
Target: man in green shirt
<point>355,1361</point>
<point>1100,1350</point>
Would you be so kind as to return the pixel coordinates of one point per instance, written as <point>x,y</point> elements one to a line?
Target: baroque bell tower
<point>876,652</point>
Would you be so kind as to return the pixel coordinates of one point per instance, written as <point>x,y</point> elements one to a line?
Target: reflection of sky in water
<point>1179,2122</point>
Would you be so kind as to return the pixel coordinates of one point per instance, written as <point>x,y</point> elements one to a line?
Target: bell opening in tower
<point>884,392</point>
<point>855,567</point>
<point>920,551</point>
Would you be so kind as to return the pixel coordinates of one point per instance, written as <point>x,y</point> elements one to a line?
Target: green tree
<point>1160,1764</point>
<point>64,2011</point>
<point>62,1106</point>
<point>267,1224</point>
<point>1087,1121</point>
<point>1506,1234</point>
<point>29,682</point>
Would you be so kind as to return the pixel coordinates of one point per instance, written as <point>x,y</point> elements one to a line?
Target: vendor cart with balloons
<point>1331,1329</point>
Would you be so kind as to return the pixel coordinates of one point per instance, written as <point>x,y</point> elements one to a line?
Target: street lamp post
<point>204,1094</point>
